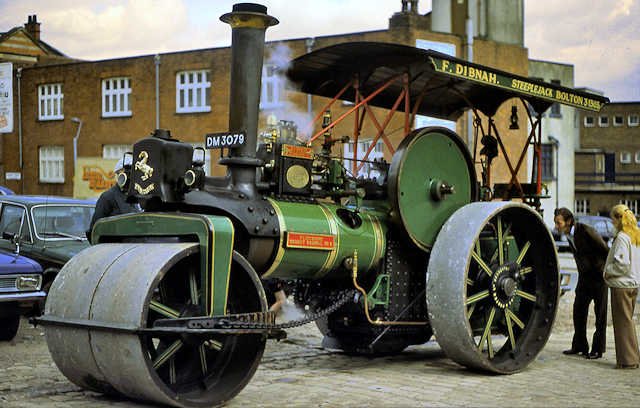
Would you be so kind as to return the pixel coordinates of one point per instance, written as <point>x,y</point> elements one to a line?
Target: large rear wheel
<point>493,286</point>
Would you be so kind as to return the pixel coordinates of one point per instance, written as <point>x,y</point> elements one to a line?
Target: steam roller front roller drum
<point>493,286</point>
<point>133,285</point>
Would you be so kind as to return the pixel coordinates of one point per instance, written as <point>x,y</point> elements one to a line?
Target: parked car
<point>20,289</point>
<point>562,245</point>
<point>604,226</point>
<point>49,230</point>
<point>5,191</point>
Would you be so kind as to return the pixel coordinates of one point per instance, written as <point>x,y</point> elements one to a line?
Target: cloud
<point>601,41</point>
<point>621,7</point>
<point>133,28</point>
<point>108,29</point>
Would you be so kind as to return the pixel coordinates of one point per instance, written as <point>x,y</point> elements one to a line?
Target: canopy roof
<point>451,84</point>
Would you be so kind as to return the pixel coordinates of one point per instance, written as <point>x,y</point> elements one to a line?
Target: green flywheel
<point>431,176</point>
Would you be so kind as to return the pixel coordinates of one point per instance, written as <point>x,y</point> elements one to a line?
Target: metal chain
<point>345,297</point>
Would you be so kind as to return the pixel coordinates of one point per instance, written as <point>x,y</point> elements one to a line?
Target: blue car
<point>5,191</point>
<point>20,289</point>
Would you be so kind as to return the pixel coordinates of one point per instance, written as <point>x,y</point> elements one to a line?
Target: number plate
<point>226,139</point>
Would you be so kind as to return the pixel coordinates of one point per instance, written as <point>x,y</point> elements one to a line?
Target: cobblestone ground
<point>297,372</point>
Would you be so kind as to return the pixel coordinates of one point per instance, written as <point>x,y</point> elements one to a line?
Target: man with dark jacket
<point>590,253</point>
<point>111,202</point>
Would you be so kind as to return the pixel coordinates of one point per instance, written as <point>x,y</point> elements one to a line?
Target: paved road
<point>297,372</point>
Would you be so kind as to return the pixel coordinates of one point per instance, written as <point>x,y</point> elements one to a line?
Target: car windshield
<point>62,221</point>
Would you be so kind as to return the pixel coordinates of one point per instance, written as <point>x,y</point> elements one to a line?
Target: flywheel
<point>431,176</point>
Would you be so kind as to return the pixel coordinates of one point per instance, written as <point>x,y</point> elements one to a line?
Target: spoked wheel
<point>127,288</point>
<point>493,286</point>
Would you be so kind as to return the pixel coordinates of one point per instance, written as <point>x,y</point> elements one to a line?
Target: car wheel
<point>39,306</point>
<point>9,327</point>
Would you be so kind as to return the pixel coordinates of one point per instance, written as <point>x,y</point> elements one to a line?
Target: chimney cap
<point>250,7</point>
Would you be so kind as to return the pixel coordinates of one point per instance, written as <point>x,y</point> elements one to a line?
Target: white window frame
<point>589,121</point>
<point>637,156</point>
<point>603,121</point>
<point>272,88</point>
<point>618,120</point>
<point>632,204</point>
<point>115,151</point>
<point>51,164</point>
<point>50,102</point>
<point>625,157</point>
<point>193,91</point>
<point>116,97</point>
<point>633,120</point>
<point>582,206</point>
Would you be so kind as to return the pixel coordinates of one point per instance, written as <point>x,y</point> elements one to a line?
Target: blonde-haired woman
<point>622,274</point>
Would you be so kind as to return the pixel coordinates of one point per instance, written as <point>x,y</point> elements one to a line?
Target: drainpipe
<point>19,75</point>
<point>310,43</point>
<point>156,60</point>
<point>469,28</point>
<point>557,143</point>
<point>75,145</point>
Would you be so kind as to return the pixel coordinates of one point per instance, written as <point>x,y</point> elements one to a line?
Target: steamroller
<point>168,304</point>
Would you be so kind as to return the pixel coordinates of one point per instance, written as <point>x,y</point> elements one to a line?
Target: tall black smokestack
<point>249,23</point>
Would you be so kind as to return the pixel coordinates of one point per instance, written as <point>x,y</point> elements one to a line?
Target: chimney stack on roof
<point>410,5</point>
<point>33,27</point>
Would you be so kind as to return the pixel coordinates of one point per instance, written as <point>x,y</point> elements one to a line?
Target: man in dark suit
<point>590,253</point>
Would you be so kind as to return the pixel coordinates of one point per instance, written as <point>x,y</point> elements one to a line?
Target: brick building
<point>607,160</point>
<point>76,118</point>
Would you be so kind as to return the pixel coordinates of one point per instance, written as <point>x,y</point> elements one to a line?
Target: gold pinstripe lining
<point>280,253</point>
<point>333,230</point>
<point>377,231</point>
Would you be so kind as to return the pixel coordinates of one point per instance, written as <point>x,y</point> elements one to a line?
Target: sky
<point>601,38</point>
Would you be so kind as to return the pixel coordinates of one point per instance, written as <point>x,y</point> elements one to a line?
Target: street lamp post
<point>75,145</point>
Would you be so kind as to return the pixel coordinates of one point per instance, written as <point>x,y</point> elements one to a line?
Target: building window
<point>272,88</point>
<point>632,204</point>
<point>51,98</point>
<point>625,157</point>
<point>116,97</point>
<point>193,91</point>
<point>633,120</point>
<point>52,164</point>
<point>547,162</point>
<point>589,121</point>
<point>555,111</point>
<point>603,120</point>
<point>115,151</point>
<point>377,153</point>
<point>618,120</point>
<point>638,156</point>
<point>582,206</point>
